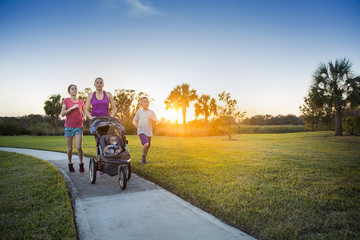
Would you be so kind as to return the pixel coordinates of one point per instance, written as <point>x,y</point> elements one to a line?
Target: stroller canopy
<point>105,121</point>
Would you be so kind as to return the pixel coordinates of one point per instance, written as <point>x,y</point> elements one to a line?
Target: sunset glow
<point>172,115</point>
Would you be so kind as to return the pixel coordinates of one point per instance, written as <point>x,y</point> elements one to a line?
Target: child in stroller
<point>113,147</point>
<point>107,131</point>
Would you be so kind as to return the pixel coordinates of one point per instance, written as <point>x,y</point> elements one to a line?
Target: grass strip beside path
<point>35,203</point>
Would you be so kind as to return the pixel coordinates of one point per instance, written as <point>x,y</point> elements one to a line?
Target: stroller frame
<point>102,128</point>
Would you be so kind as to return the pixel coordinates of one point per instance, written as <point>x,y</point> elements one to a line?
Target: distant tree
<point>256,120</point>
<point>205,106</point>
<point>30,120</point>
<point>10,126</point>
<point>124,103</point>
<point>83,95</point>
<point>173,101</point>
<point>334,86</point>
<point>268,119</point>
<point>127,103</point>
<point>229,111</point>
<point>52,108</point>
<point>180,97</point>
<point>311,114</point>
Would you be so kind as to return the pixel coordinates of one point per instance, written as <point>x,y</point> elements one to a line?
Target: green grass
<point>34,201</point>
<point>272,186</point>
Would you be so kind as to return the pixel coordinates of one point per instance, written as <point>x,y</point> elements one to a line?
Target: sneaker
<point>81,167</point>
<point>143,159</point>
<point>71,167</point>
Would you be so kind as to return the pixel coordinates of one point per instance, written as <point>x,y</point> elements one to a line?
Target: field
<point>272,186</point>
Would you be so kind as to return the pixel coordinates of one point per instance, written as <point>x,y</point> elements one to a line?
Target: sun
<point>172,115</point>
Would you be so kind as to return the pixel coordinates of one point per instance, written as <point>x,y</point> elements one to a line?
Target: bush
<point>253,129</point>
<point>35,125</point>
<point>9,128</point>
<point>40,129</point>
<point>351,125</point>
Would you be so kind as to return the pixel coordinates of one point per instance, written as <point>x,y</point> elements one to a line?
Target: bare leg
<point>69,142</point>
<point>78,140</point>
<point>145,149</point>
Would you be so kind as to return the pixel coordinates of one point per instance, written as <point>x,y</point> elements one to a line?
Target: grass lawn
<point>272,186</point>
<point>34,201</point>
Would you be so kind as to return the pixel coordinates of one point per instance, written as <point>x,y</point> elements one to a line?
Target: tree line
<point>127,103</point>
<point>220,116</point>
<point>33,124</point>
<point>333,94</point>
<point>268,120</point>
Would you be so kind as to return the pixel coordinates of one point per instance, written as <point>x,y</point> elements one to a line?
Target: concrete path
<point>142,211</point>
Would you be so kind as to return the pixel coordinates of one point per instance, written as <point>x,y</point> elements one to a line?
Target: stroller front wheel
<point>122,177</point>
<point>128,171</point>
<point>92,170</point>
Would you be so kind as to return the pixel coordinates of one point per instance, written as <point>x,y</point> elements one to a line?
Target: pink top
<point>99,107</point>
<point>74,118</point>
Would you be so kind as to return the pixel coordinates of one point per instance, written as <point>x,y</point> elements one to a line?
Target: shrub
<point>253,129</point>
<point>351,125</point>
<point>9,128</point>
<point>40,129</point>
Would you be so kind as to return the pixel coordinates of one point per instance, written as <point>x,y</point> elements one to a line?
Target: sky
<point>262,52</point>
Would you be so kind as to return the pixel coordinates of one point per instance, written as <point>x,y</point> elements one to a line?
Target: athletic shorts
<point>144,139</point>
<point>70,132</point>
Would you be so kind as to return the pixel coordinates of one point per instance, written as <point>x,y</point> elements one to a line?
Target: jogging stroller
<point>103,128</point>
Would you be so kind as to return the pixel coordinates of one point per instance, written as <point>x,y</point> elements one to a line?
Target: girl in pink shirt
<point>73,109</point>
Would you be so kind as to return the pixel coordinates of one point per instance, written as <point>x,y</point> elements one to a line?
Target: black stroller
<point>103,128</point>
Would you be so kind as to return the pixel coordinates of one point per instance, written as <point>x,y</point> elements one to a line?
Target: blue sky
<point>262,52</point>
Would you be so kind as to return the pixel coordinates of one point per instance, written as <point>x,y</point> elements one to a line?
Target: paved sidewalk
<point>142,211</point>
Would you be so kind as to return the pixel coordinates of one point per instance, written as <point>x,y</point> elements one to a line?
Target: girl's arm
<point>112,104</point>
<point>136,120</point>
<point>87,106</point>
<point>82,110</point>
<point>65,111</point>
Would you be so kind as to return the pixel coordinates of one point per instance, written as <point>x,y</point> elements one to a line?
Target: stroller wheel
<point>128,171</point>
<point>92,170</point>
<point>122,177</point>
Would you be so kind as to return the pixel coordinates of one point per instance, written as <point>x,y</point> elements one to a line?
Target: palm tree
<point>52,108</point>
<point>173,101</point>
<point>334,86</point>
<point>180,97</point>
<point>205,106</point>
